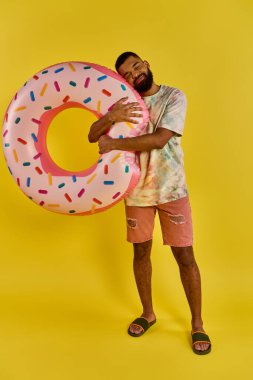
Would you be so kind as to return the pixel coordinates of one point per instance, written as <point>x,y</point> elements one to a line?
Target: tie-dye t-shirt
<point>162,170</point>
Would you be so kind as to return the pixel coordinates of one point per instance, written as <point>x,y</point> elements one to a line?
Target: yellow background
<point>67,290</point>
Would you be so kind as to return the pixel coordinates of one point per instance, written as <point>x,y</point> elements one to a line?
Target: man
<point>162,188</point>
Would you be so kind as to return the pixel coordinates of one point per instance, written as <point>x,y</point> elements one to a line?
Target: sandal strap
<point>200,337</point>
<point>142,322</point>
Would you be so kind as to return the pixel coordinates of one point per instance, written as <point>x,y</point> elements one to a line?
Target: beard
<point>146,83</point>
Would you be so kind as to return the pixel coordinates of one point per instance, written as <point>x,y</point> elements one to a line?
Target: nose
<point>135,74</point>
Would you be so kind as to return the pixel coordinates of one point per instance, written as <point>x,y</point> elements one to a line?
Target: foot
<point>200,346</point>
<point>137,329</point>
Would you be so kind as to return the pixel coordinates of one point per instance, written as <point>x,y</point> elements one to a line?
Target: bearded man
<point>162,188</point>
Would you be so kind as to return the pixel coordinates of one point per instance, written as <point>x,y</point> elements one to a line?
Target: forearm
<point>100,127</point>
<point>146,142</point>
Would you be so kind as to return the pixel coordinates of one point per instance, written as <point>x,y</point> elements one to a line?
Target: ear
<point>146,63</point>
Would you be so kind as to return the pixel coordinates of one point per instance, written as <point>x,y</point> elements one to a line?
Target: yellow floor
<point>64,314</point>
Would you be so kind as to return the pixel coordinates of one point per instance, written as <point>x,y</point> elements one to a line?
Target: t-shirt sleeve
<point>173,116</point>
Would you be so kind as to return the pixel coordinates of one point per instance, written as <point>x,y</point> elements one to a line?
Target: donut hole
<point>67,140</point>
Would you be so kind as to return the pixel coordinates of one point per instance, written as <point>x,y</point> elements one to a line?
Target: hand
<point>125,112</point>
<point>105,144</point>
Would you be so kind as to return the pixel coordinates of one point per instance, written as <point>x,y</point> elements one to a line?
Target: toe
<point>197,346</point>
<point>203,346</point>
<point>206,346</point>
<point>135,329</point>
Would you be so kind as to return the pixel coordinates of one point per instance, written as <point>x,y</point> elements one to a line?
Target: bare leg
<point>190,277</point>
<point>143,271</point>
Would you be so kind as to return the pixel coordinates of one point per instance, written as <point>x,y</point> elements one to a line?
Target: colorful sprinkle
<point>100,160</point>
<point>15,155</point>
<point>130,125</point>
<point>59,70</point>
<point>16,95</point>
<point>47,108</point>
<point>17,120</point>
<point>91,178</point>
<point>66,99</point>
<point>111,107</point>
<point>116,195</point>
<point>6,117</point>
<point>72,67</point>
<point>20,108</point>
<point>87,100</point>
<point>28,182</point>
<point>44,72</point>
<point>107,93</point>
<point>36,77</point>
<point>126,169</point>
<point>81,192</point>
<point>18,181</point>
<point>86,83</point>
<point>34,137</point>
<point>108,182</point>
<point>50,181</point>
<point>38,170</point>
<point>53,205</point>
<point>106,169</point>
<point>97,201</point>
<point>37,156</point>
<point>22,141</point>
<point>67,197</point>
<point>32,96</point>
<point>43,89</point>
<point>26,163</point>
<point>72,83</point>
<point>6,145</point>
<point>61,185</point>
<point>102,78</point>
<point>115,157</point>
<point>43,191</point>
<point>74,178</point>
<point>5,133</point>
<point>36,121</point>
<point>123,87</point>
<point>72,211</point>
<point>121,136</point>
<point>87,67</point>
<point>99,105</point>
<point>56,85</point>
<point>42,203</point>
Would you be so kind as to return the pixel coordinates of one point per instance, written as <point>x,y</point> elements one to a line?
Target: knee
<point>142,250</point>
<point>184,257</point>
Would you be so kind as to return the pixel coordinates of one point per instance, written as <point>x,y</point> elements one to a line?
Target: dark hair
<point>121,59</point>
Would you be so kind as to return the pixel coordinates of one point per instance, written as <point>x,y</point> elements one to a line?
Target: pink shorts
<point>175,220</point>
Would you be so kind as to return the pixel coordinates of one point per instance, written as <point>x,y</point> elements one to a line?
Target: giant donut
<point>48,92</point>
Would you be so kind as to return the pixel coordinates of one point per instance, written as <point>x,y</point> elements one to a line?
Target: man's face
<point>137,73</point>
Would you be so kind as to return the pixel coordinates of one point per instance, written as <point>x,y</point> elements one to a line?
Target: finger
<point>133,110</point>
<point>135,104</point>
<point>130,113</point>
<point>136,109</point>
<point>122,100</point>
<point>133,114</point>
<point>133,121</point>
<point>131,105</point>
